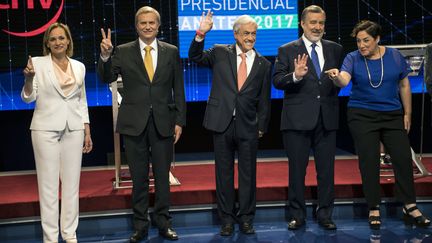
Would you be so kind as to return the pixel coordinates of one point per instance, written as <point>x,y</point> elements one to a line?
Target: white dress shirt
<point>153,52</point>
<point>318,49</point>
<point>250,58</point>
<point>142,45</point>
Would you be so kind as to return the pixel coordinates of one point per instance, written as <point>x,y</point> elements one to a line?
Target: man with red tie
<point>238,113</point>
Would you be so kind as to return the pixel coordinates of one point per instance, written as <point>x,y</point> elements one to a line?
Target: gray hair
<point>311,9</point>
<point>147,9</point>
<point>244,19</point>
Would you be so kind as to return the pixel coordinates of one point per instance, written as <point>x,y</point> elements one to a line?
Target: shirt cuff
<point>198,38</point>
<point>104,59</point>
<point>296,80</point>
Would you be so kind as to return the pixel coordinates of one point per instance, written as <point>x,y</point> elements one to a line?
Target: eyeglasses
<point>247,33</point>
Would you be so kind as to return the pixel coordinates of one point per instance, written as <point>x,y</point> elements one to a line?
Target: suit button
<point>319,83</point>
<point>318,97</point>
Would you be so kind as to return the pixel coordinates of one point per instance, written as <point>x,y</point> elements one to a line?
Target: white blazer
<point>54,110</point>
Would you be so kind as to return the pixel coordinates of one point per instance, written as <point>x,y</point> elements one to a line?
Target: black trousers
<point>297,145</point>
<point>140,150</point>
<point>368,128</point>
<point>225,145</point>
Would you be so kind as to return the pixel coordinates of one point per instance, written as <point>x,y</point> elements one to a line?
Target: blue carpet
<point>270,225</point>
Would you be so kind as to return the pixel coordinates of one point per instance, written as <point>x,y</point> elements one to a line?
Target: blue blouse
<point>386,96</point>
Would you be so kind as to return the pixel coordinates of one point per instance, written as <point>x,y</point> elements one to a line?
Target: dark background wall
<point>403,21</point>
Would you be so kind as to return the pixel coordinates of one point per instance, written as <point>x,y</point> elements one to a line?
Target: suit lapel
<point>160,60</point>
<point>254,70</point>
<point>327,57</point>
<point>138,59</point>
<point>52,76</point>
<point>303,49</point>
<point>233,63</point>
<point>76,71</point>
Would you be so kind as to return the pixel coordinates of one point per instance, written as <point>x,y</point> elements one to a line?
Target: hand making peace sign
<point>106,44</point>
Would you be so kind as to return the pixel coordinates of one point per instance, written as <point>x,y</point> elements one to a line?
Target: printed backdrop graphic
<point>22,23</point>
<point>277,22</point>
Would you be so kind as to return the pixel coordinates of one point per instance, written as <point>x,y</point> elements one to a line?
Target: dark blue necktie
<point>315,61</point>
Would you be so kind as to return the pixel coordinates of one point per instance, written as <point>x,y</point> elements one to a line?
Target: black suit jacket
<point>303,100</point>
<point>251,103</point>
<point>165,94</point>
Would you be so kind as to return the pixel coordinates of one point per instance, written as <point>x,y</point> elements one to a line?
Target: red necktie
<point>242,71</point>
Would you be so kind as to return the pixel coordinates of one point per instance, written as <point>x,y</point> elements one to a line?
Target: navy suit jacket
<point>304,100</point>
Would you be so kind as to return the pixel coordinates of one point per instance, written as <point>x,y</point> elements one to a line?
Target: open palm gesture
<point>206,22</point>
<point>300,66</point>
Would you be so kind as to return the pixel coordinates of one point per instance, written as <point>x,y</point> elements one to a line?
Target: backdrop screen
<point>277,22</point>
<point>22,23</point>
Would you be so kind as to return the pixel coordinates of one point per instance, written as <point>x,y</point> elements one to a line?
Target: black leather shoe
<point>137,236</point>
<point>247,228</point>
<point>295,224</point>
<point>169,234</point>
<point>327,224</point>
<point>227,230</point>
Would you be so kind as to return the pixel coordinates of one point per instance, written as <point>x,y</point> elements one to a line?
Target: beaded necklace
<point>382,71</point>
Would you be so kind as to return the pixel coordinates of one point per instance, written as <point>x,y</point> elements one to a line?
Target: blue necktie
<point>315,61</point>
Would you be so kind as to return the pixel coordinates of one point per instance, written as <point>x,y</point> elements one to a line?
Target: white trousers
<point>58,157</point>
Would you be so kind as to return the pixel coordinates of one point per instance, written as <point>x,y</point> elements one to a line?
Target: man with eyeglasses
<point>238,113</point>
<point>309,118</point>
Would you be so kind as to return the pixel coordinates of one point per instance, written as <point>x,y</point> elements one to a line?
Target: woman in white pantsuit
<point>59,128</point>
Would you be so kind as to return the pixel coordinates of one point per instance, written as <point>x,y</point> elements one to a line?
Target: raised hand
<point>106,44</point>
<point>332,73</point>
<point>29,71</point>
<point>300,66</point>
<point>206,22</point>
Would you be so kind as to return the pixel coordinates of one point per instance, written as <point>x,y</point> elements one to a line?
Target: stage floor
<point>19,196</point>
<point>202,226</point>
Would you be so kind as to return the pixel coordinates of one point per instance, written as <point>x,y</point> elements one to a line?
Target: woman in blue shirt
<point>375,113</point>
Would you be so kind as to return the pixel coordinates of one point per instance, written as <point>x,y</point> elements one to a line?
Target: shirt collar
<point>248,54</point>
<point>153,44</point>
<point>308,43</point>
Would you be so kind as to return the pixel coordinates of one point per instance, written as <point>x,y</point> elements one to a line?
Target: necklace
<point>382,71</point>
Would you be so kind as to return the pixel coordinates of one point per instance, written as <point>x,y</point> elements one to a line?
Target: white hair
<point>244,19</point>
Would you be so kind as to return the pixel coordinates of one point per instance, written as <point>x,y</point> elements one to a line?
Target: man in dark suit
<point>238,112</point>
<point>309,116</point>
<point>153,110</point>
